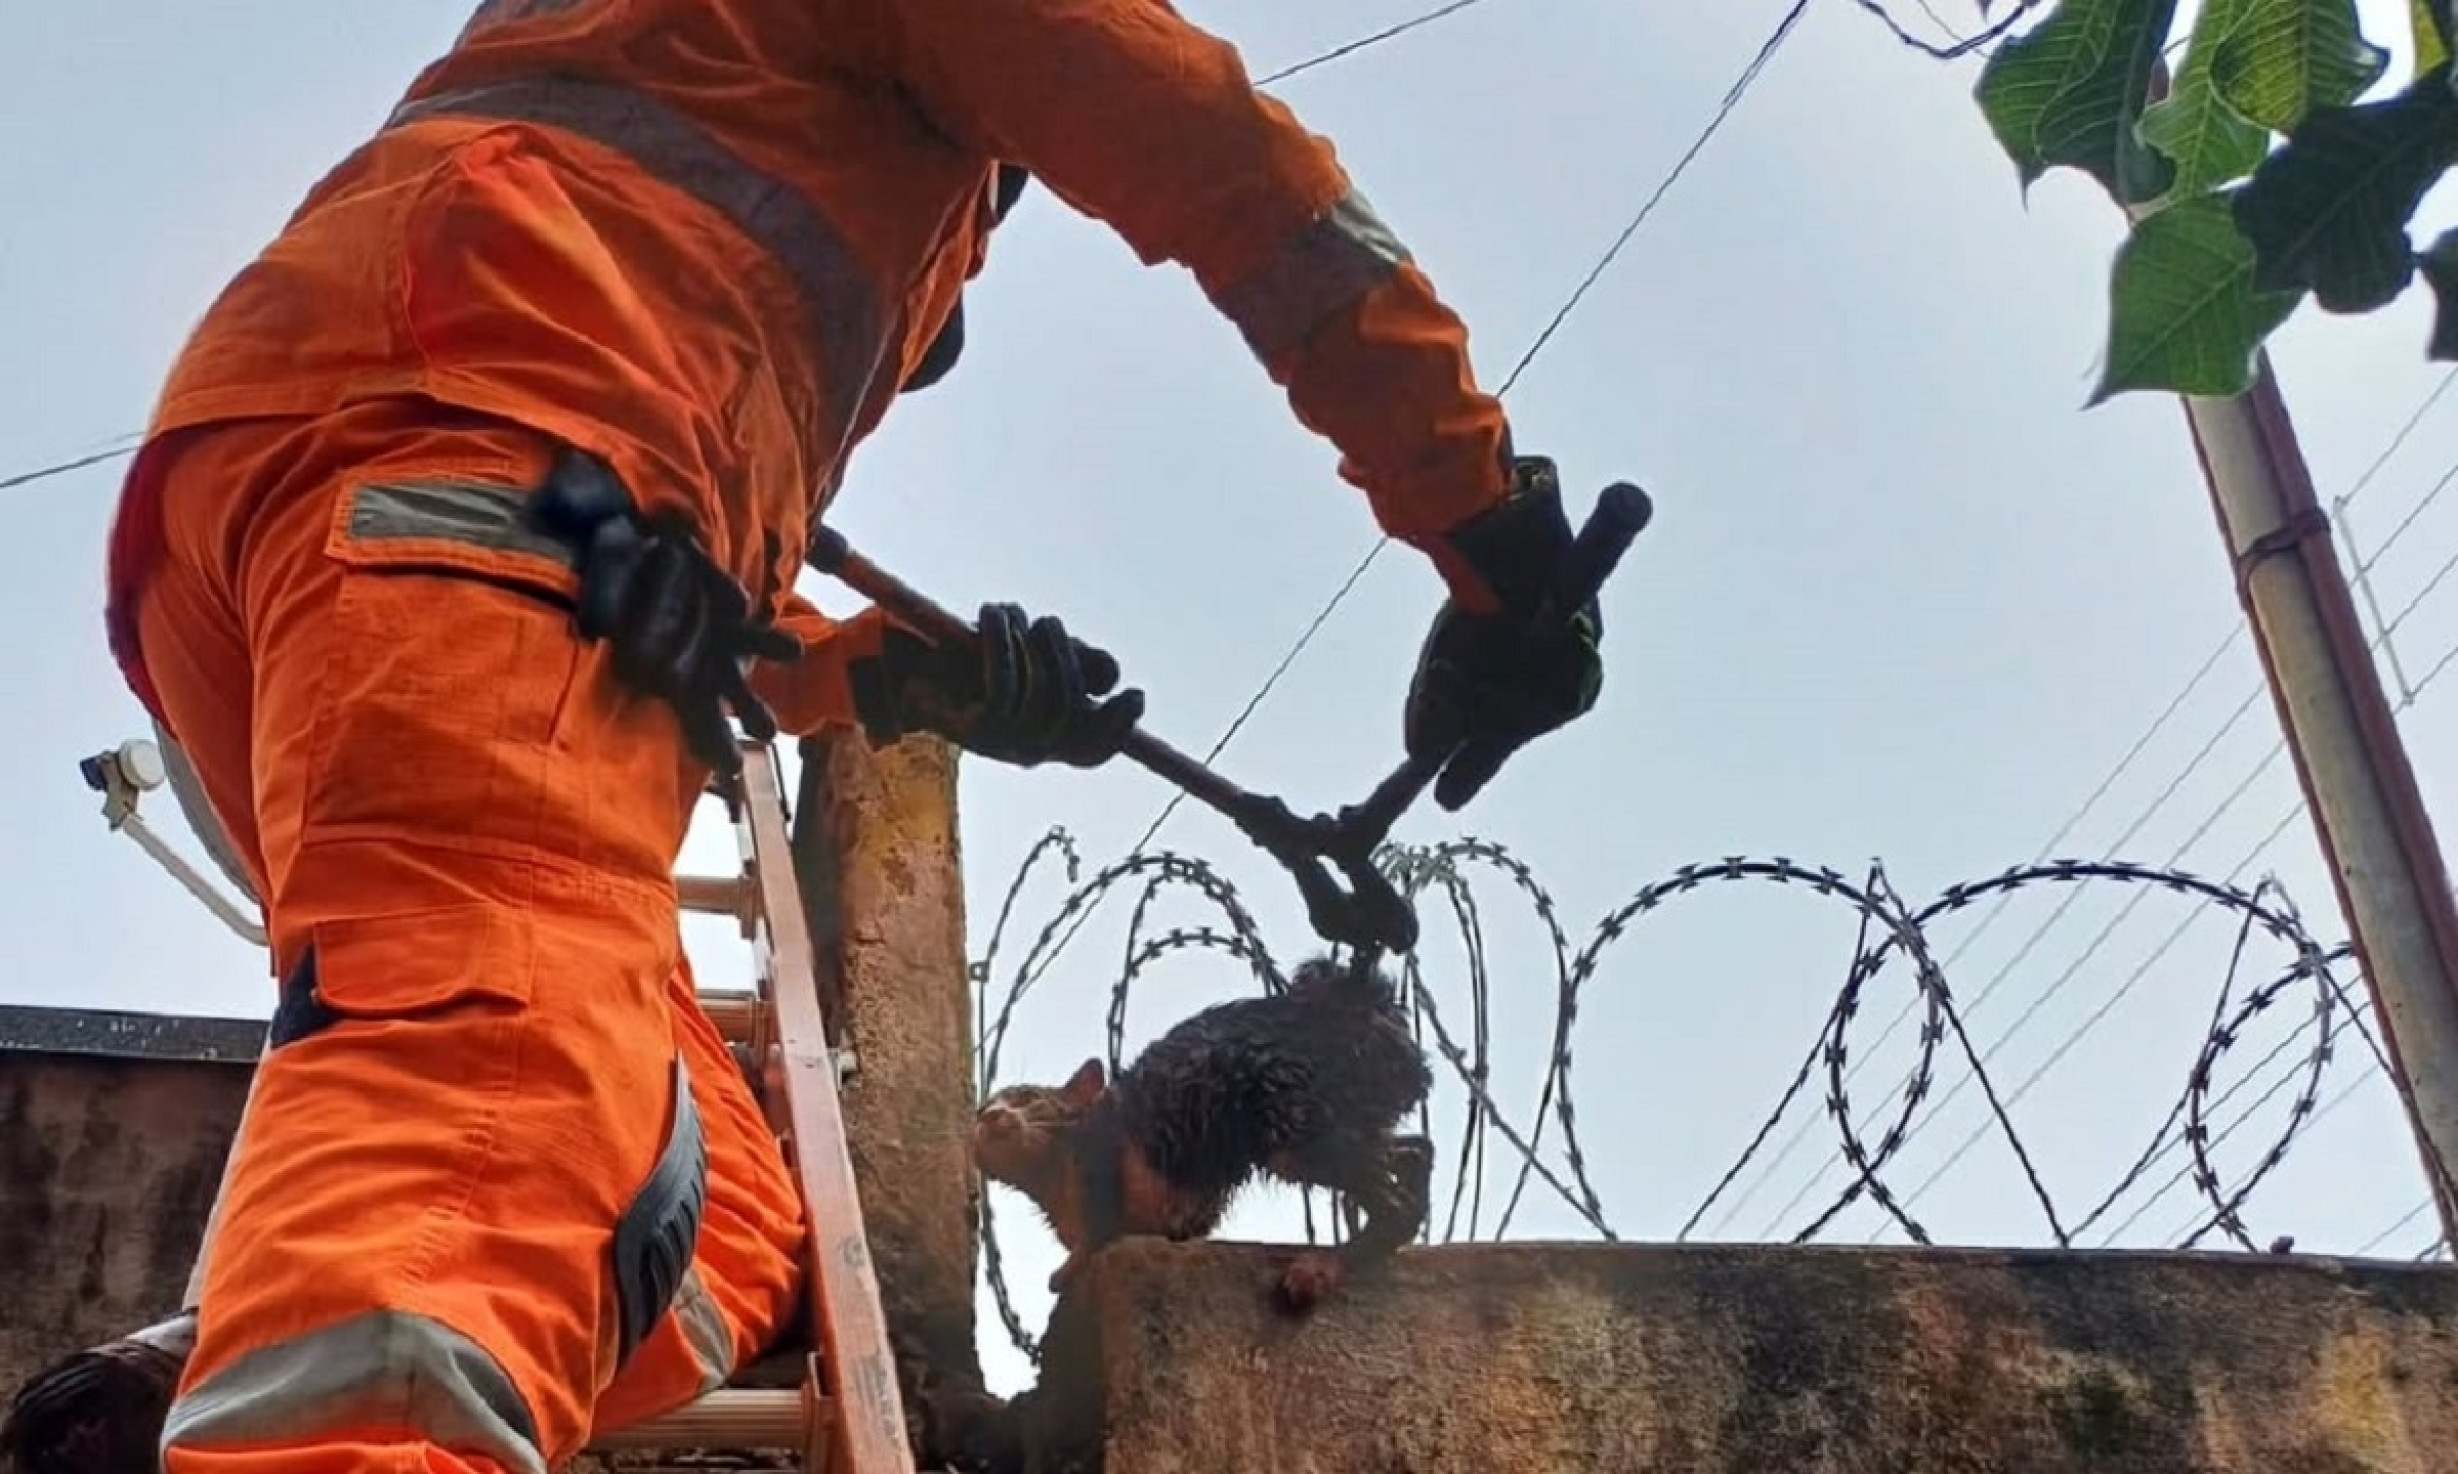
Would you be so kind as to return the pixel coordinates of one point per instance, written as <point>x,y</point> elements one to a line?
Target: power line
<point>1938,20</point>
<point>62,468</point>
<point>1962,45</point>
<point>2187,1233</point>
<point>2057,914</point>
<point>2236,631</point>
<point>2423,504</point>
<point>2400,438</point>
<point>2330,1036</point>
<point>2101,1013</point>
<point>2438,666</point>
<point>1715,122</point>
<point>1304,637</point>
<point>2377,1240</point>
<point>2405,525</point>
<point>1336,53</point>
<point>2039,933</point>
<point>2091,949</point>
<point>1361,43</point>
<point>2170,1144</point>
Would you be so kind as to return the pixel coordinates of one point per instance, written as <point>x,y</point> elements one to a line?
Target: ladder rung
<point>730,1419</point>
<point>736,1015</point>
<point>719,895</point>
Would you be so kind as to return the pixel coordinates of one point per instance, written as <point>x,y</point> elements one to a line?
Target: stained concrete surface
<point>1750,1360</point>
<point>113,1131</point>
<point>1168,1359</point>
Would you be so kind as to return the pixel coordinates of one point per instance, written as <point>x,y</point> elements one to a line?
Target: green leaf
<point>2208,141</point>
<point>2289,57</point>
<point>2069,91</point>
<point>2431,21</point>
<point>2183,312</point>
<point>2440,264</point>
<point>2329,211</point>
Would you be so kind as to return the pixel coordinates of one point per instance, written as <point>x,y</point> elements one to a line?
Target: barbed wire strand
<point>2276,830</point>
<point>2380,637</point>
<point>2124,989</point>
<point>2184,1175</point>
<point>2040,932</point>
<point>2236,631</point>
<point>2056,985</point>
<point>1886,924</point>
<point>2280,921</point>
<point>2218,1019</point>
<point>2187,1235</point>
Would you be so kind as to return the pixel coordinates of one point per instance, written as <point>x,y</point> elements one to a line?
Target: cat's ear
<point>1084,1086</point>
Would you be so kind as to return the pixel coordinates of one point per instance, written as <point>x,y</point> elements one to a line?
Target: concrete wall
<point>1713,1360</point>
<point>113,1131</point>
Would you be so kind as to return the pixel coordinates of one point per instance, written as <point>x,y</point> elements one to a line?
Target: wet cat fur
<point>1308,1086</point>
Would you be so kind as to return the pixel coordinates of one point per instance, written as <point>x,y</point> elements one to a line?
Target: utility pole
<point>2358,785</point>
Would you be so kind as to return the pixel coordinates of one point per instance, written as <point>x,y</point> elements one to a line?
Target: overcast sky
<point>1904,597</point>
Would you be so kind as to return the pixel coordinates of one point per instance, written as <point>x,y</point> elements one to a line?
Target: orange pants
<point>442,1244</point>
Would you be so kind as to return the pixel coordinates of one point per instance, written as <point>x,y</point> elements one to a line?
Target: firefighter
<point>467,526</point>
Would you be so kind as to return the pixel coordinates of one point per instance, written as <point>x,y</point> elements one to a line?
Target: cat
<point>1308,1086</point>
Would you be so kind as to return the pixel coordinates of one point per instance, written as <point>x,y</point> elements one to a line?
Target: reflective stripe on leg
<point>386,1371</point>
<point>705,1332</point>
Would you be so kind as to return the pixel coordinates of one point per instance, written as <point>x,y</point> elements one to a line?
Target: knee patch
<point>655,1238</point>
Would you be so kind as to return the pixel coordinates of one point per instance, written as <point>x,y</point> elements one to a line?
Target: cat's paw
<point>1310,1278</point>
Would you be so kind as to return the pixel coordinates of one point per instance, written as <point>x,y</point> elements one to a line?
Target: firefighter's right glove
<point>680,629</point>
<point>1023,691</point>
<point>1488,683</point>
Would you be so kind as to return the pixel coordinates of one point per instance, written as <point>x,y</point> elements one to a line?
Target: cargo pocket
<point>656,1237</point>
<point>407,966</point>
<point>452,655</point>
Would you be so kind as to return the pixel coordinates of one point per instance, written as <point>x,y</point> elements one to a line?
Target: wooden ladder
<point>848,1415</point>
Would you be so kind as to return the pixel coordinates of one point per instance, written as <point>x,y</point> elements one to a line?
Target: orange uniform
<point>497,1180</point>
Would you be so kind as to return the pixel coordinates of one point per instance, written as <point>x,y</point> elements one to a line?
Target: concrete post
<point>875,843</point>
<point>2367,813</point>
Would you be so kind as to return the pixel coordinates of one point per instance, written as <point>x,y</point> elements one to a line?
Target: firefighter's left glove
<point>1022,691</point>
<point>679,628</point>
<point>1488,683</point>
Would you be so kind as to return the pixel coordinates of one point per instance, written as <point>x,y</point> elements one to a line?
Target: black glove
<point>680,629</point>
<point>1487,684</point>
<point>1023,691</point>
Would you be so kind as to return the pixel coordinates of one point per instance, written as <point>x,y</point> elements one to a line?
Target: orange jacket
<point>708,239</point>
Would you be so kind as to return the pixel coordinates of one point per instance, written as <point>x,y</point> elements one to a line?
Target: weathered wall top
<point>1508,1359</point>
<point>1746,1360</point>
<point>113,1130</point>
<point>93,1031</point>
